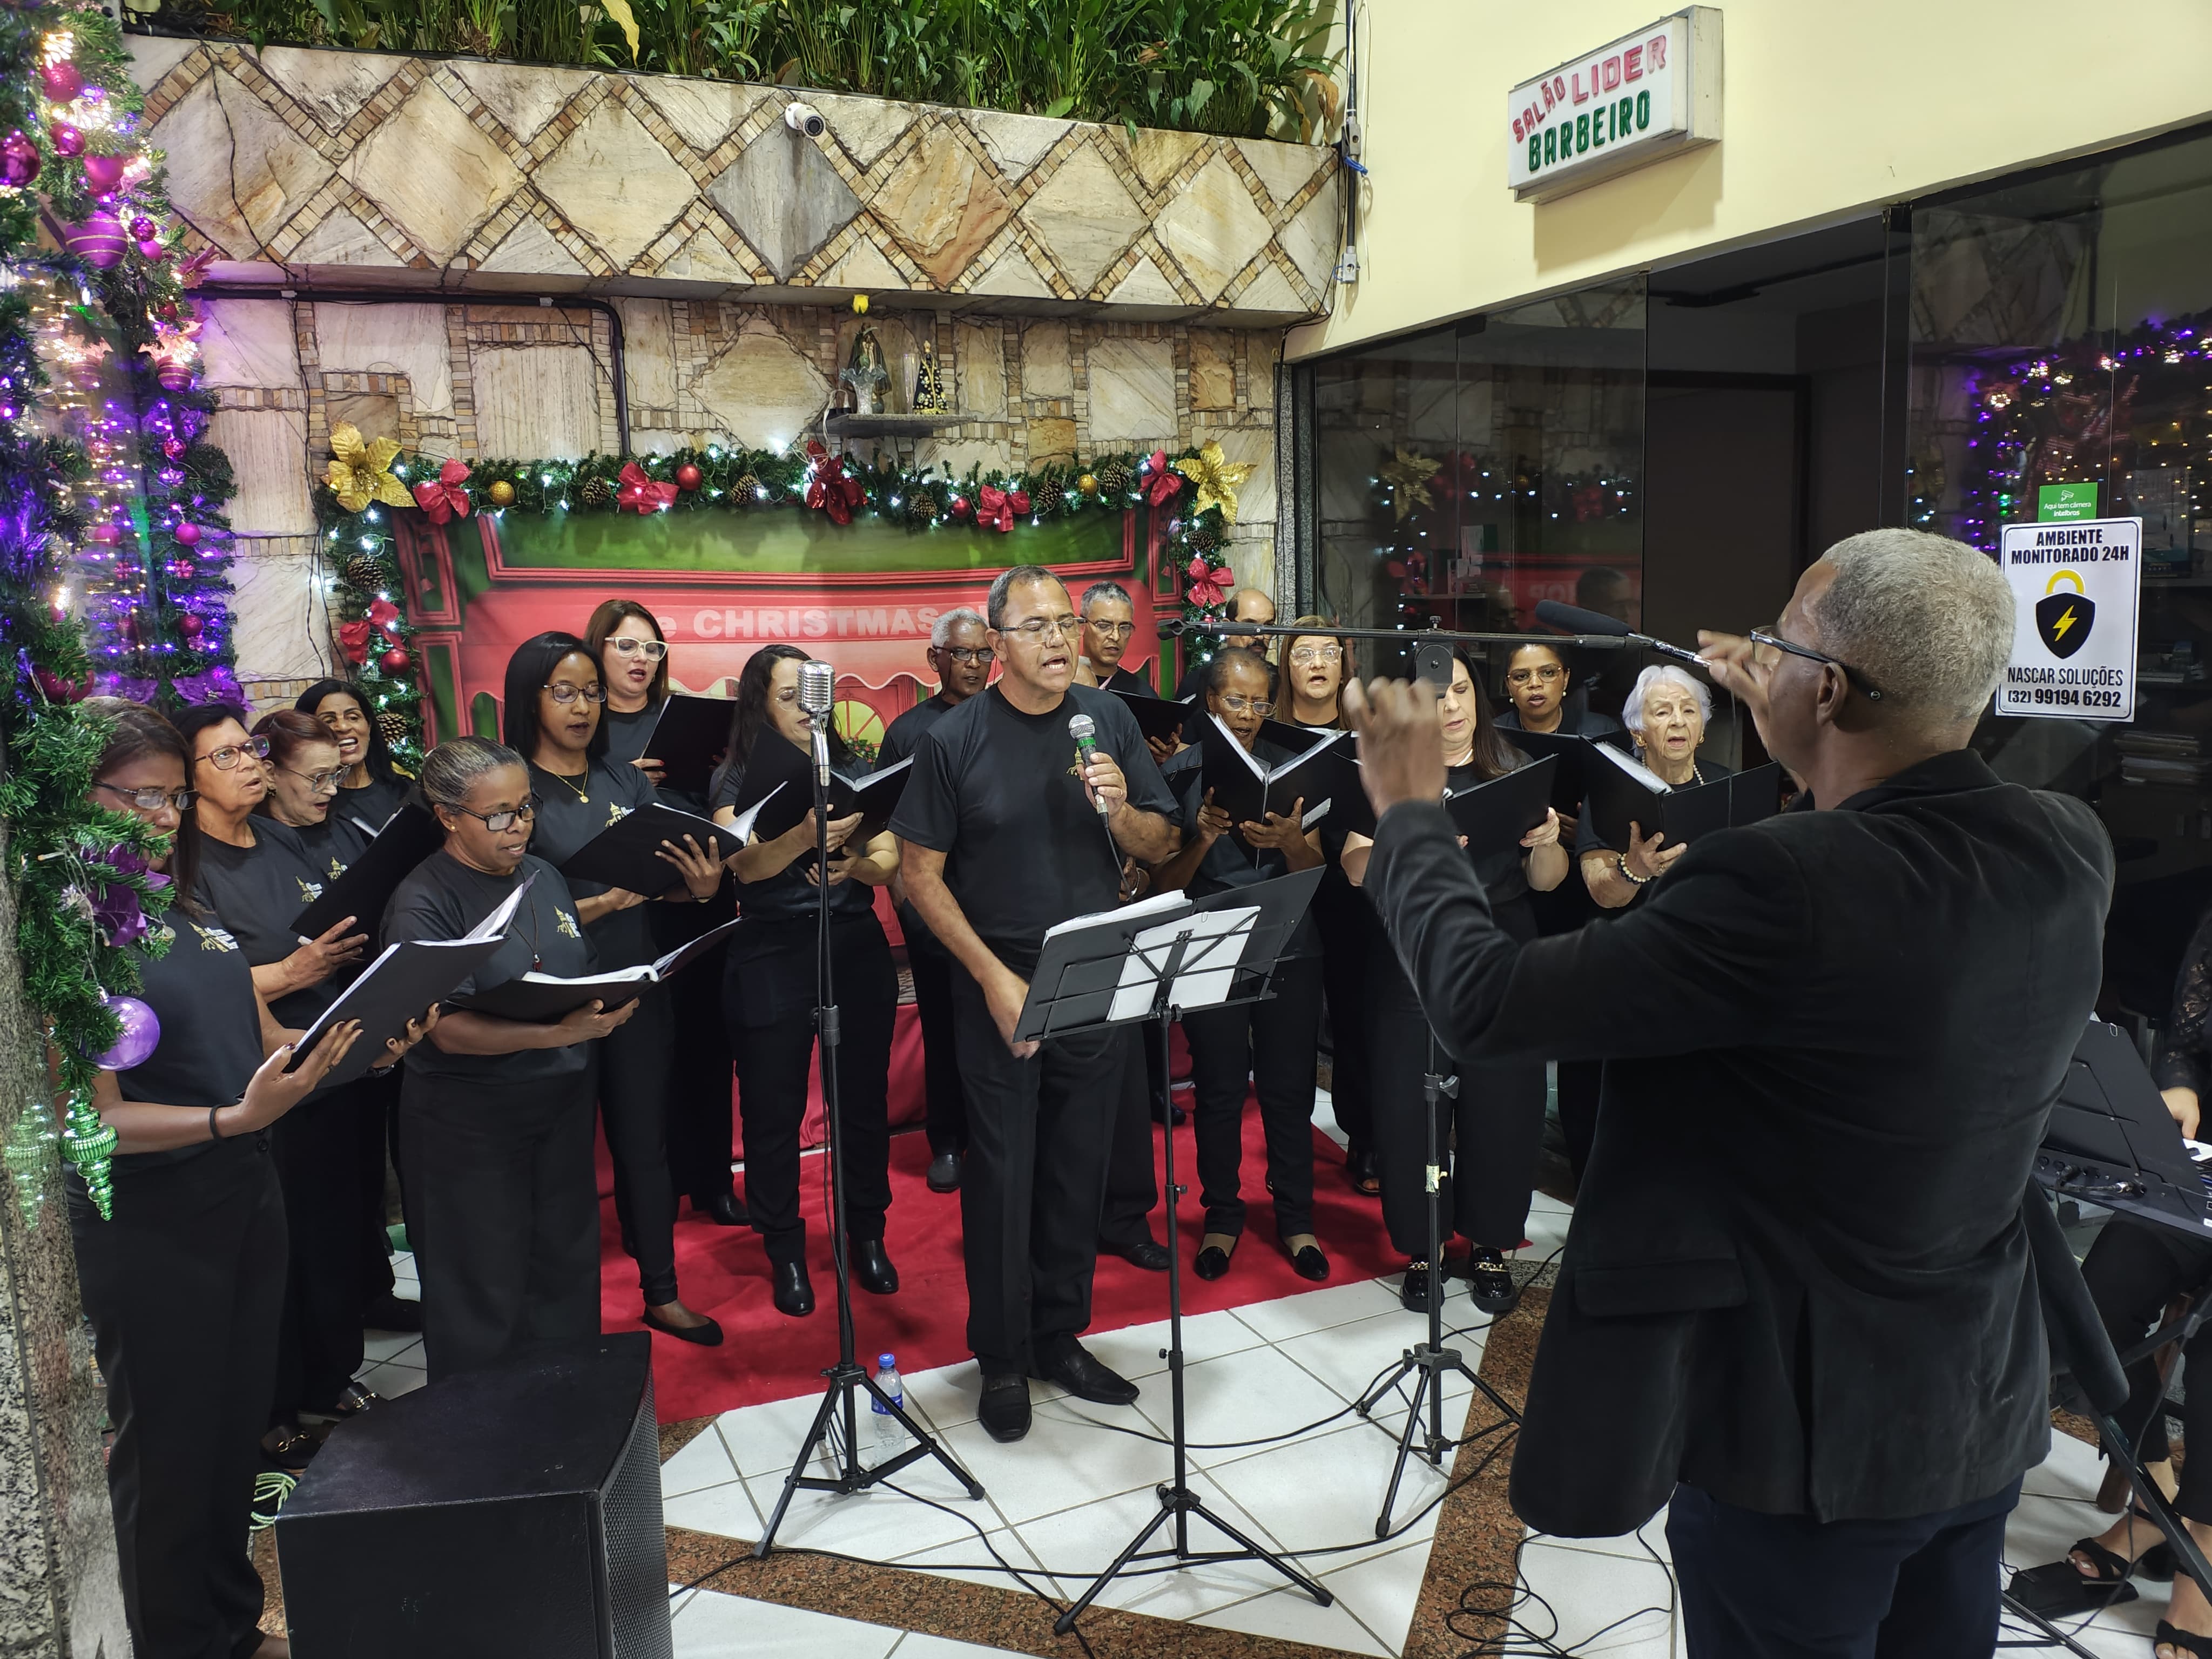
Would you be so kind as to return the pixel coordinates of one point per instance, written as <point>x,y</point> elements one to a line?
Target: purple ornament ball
<point>141,1035</point>
<point>104,172</point>
<point>61,83</point>
<point>20,160</point>
<point>144,229</point>
<point>98,239</point>
<point>68,140</point>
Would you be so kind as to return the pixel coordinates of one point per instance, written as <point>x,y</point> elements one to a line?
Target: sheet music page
<point>742,825</point>
<point>495,924</point>
<point>1152,906</point>
<point>1217,939</point>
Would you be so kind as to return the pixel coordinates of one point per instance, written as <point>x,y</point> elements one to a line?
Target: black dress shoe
<point>1005,1408</point>
<point>1420,1284</point>
<point>1308,1262</point>
<point>724,1210</point>
<point>390,1313</point>
<point>1151,1255</point>
<point>1074,1369</point>
<point>944,1173</point>
<point>707,1335</point>
<point>1212,1262</point>
<point>1488,1278</point>
<point>871,1268</point>
<point>793,1291</point>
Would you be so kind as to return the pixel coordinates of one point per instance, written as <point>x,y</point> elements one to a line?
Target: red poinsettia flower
<point>638,491</point>
<point>352,639</point>
<point>443,499</point>
<point>992,510</point>
<point>1206,588</point>
<point>829,489</point>
<point>1161,480</point>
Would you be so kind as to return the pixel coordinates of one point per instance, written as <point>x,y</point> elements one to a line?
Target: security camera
<point>805,117</point>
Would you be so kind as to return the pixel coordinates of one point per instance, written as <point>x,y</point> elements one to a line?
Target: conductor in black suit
<point>1796,1301</point>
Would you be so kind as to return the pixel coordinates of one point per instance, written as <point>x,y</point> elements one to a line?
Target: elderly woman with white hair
<point>1667,712</point>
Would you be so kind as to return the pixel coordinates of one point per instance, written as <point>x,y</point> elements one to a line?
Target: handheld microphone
<point>818,691</point>
<point>1085,731</point>
<point>1576,620</point>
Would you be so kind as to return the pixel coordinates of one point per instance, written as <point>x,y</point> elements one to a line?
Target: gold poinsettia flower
<point>1216,478</point>
<point>1409,477</point>
<point>362,472</point>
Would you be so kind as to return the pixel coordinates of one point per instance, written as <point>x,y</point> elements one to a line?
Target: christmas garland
<point>366,483</point>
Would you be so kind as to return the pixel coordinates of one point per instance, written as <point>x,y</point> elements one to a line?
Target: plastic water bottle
<point>889,1432</point>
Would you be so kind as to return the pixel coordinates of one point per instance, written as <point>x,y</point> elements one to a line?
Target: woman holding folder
<point>770,988</point>
<point>1497,1122</point>
<point>185,1287</point>
<point>554,696</point>
<point>496,1115</point>
<point>1666,714</point>
<point>1272,1042</point>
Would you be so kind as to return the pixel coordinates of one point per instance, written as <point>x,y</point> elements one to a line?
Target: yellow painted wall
<point>1829,108</point>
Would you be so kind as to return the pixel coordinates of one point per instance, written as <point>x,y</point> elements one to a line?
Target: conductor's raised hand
<point>1005,995</point>
<point>1401,743</point>
<point>702,871</point>
<point>1103,781</point>
<point>593,1019</point>
<point>275,1091</point>
<point>1734,663</point>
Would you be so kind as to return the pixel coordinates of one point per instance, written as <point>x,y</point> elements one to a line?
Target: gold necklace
<point>573,784</point>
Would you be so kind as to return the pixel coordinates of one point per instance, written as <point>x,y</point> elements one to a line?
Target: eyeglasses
<point>499,822</point>
<point>654,649</point>
<point>1237,705</point>
<point>318,783</point>
<point>1549,674</point>
<point>1033,631</point>
<point>564,694</point>
<point>152,800</point>
<point>1305,656</point>
<point>227,758</point>
<point>1111,630</point>
<point>972,656</point>
<point>1770,646</point>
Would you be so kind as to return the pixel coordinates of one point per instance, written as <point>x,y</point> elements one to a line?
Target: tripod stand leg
<point>1065,1622</point>
<point>814,1436</point>
<point>1320,1595</point>
<point>1405,1451</point>
<point>925,1443</point>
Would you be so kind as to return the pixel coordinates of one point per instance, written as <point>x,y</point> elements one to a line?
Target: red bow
<point>444,499</point>
<point>641,492</point>
<point>1206,588</point>
<point>1019,501</point>
<point>992,510</point>
<point>353,637</point>
<point>1162,481</point>
<point>383,613</point>
<point>829,490</point>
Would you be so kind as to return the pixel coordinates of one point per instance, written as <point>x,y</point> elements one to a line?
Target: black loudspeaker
<point>514,1510</point>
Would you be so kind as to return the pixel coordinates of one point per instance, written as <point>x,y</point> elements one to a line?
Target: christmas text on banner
<point>2076,588</point>
<point>1631,101</point>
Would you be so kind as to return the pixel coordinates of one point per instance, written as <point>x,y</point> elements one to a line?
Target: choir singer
<point>1796,1305</point>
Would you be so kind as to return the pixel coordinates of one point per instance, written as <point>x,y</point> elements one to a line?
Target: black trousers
<point>321,1147</point>
<point>2133,1270</point>
<point>185,1288</point>
<point>503,1211</point>
<point>1564,909</point>
<point>1034,1186</point>
<point>1132,1183</point>
<point>634,1073</point>
<point>378,1124</point>
<point>1272,1042</point>
<point>932,966</point>
<point>771,999</point>
<point>1498,1118</point>
<point>1350,932</point>
<point>1788,1587</point>
<point>702,1134</point>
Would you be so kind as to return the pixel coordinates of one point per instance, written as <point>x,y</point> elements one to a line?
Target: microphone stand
<point>847,1376</point>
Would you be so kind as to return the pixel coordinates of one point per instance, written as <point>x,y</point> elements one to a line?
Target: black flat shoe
<point>724,1210</point>
<point>1420,1283</point>
<point>391,1313</point>
<point>794,1291</point>
<point>1151,1256</point>
<point>1492,1283</point>
<point>1308,1262</point>
<point>1359,1170</point>
<point>1004,1412</point>
<point>1212,1262</point>
<point>871,1268</point>
<point>944,1173</point>
<point>2180,1641</point>
<point>1074,1369</point>
<point>709,1335</point>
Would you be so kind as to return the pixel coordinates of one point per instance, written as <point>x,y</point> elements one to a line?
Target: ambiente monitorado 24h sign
<point>2076,588</point>
<point>1632,100</point>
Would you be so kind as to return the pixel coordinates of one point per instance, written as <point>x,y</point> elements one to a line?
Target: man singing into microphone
<point>1006,829</point>
<point>1797,1304</point>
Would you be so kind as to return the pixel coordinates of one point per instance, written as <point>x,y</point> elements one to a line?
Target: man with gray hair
<point>1109,624</point>
<point>1796,1306</point>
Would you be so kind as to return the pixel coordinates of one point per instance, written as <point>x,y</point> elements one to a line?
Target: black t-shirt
<point>201,991</point>
<point>999,793</point>
<point>787,895</point>
<point>260,891</point>
<point>333,845</point>
<point>904,735</point>
<point>372,805</point>
<point>443,899</point>
<point>626,733</point>
<point>1577,720</point>
<point>568,823</point>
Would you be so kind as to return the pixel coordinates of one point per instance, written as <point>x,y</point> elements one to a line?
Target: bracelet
<point>1620,863</point>
<point>214,1133</point>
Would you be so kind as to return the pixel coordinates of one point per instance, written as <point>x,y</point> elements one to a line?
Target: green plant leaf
<point>1060,106</point>
<point>626,20</point>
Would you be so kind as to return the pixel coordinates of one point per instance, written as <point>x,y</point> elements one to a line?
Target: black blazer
<point>1797,1276</point>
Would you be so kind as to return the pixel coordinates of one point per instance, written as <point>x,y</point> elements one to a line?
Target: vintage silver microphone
<point>1085,731</point>
<point>818,691</point>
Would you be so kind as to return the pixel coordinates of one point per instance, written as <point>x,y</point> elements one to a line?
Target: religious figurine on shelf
<point>929,396</point>
<point>865,374</point>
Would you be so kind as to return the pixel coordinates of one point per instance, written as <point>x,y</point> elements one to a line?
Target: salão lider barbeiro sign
<point>1631,101</point>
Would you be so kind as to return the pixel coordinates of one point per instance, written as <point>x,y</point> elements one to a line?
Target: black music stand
<point>2111,1141</point>
<point>1149,961</point>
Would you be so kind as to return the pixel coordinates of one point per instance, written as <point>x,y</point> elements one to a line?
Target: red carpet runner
<point>765,1356</point>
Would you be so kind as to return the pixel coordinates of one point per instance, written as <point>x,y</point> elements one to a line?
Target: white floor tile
<point>1289,1317</point>
<point>1064,1461</point>
<point>392,1381</point>
<point>1241,1397</point>
<point>922,1646</point>
<point>764,1438</point>
<point>1077,1544</point>
<point>1350,1358</point>
<point>704,1461</point>
<point>948,1394</point>
<point>880,1522</point>
<point>1380,1592</point>
<point>1134,1350</point>
<point>1324,1494</point>
<point>377,1347</point>
<point>1628,1546</point>
<point>973,1561</point>
<point>1291,1615</point>
<point>725,1510</point>
<point>1587,1594</point>
<point>714,1627</point>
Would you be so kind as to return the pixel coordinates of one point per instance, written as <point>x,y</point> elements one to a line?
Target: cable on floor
<point>1522,1640</point>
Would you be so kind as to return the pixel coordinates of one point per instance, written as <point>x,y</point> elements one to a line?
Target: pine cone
<point>1202,539</point>
<point>921,507</point>
<point>364,572</point>
<point>595,492</point>
<point>1045,497</point>
<point>392,728</point>
<point>746,490</point>
<point>1114,478</point>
